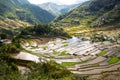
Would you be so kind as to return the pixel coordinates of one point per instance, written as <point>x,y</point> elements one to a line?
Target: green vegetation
<point>24,11</point>
<point>64,53</point>
<point>65,43</point>
<point>13,47</point>
<point>102,53</point>
<point>74,63</point>
<point>34,47</point>
<point>92,13</point>
<point>113,60</point>
<point>8,68</point>
<point>17,42</point>
<point>38,71</point>
<point>55,52</point>
<point>54,43</point>
<point>9,48</point>
<point>43,30</point>
<point>44,47</point>
<point>49,70</point>
<point>9,71</point>
<point>69,63</point>
<point>3,36</point>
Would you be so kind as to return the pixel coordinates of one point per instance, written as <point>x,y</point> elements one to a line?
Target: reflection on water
<point>27,56</point>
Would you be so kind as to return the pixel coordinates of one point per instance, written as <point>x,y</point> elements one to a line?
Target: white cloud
<point>68,2</point>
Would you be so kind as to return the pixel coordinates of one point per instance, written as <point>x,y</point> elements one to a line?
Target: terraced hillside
<point>91,60</point>
<point>109,30</point>
<point>93,13</point>
<point>91,17</point>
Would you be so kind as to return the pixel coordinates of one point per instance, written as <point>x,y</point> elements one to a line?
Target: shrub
<point>3,36</point>
<point>43,30</point>
<point>50,69</point>
<point>8,48</point>
<point>9,71</point>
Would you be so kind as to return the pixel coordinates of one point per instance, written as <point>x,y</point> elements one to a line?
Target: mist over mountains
<point>56,9</point>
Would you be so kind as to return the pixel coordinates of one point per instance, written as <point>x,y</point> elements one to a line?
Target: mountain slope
<point>92,13</point>
<point>57,9</point>
<point>24,11</point>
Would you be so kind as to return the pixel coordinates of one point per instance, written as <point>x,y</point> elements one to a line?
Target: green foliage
<point>54,43</point>
<point>49,70</point>
<point>38,71</point>
<point>13,47</point>
<point>24,11</point>
<point>80,77</point>
<point>55,52</point>
<point>44,47</point>
<point>113,60</point>
<point>64,53</point>
<point>74,63</point>
<point>102,53</point>
<point>16,41</point>
<point>69,63</point>
<point>8,68</point>
<point>44,30</point>
<point>65,43</point>
<point>9,71</point>
<point>8,48</point>
<point>98,37</point>
<point>92,13</point>
<point>3,36</point>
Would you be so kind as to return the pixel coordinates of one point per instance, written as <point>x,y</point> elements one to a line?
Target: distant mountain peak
<point>56,9</point>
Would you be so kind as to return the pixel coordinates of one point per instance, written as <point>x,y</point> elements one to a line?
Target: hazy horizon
<point>59,2</point>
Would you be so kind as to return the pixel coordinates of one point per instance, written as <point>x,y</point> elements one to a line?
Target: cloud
<point>68,2</point>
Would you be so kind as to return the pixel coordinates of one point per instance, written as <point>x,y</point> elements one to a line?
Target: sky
<point>60,2</point>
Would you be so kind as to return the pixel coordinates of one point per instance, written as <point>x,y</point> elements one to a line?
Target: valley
<point>57,10</point>
<point>49,41</point>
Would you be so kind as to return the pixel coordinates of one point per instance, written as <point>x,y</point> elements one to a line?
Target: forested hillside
<point>22,10</point>
<point>92,13</point>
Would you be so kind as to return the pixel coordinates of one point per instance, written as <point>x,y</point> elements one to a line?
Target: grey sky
<point>67,2</point>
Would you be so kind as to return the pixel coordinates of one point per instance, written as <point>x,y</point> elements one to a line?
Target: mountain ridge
<point>24,11</point>
<point>56,9</point>
<point>92,13</point>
